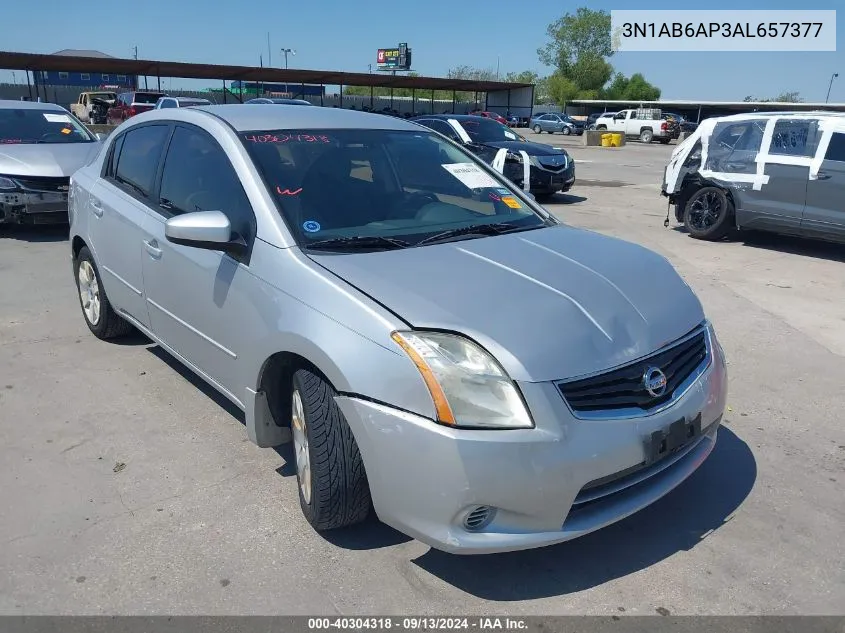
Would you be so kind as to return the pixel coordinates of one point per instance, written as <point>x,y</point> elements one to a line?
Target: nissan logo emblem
<point>654,381</point>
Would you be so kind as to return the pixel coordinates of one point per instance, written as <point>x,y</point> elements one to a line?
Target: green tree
<point>590,72</point>
<point>616,90</point>
<point>525,77</point>
<point>562,89</point>
<point>638,89</point>
<point>783,97</point>
<point>585,33</point>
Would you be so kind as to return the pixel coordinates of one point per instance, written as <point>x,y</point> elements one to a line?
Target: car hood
<point>548,304</point>
<point>49,160</point>
<point>532,149</point>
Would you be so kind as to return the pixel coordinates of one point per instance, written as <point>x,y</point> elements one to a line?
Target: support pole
<point>322,92</point>
<point>454,99</point>
<point>413,101</point>
<point>371,98</point>
<point>432,100</point>
<point>224,91</point>
<point>28,86</point>
<point>341,96</point>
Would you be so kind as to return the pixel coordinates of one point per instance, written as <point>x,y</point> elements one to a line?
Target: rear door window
<point>794,137</point>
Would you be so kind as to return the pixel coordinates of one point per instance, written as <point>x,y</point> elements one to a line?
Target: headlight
<point>7,184</point>
<point>469,388</point>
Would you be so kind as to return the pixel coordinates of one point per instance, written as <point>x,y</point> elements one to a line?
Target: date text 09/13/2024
<point>407,623</point>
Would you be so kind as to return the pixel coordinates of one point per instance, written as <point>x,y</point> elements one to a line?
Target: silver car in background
<point>41,145</point>
<point>435,344</point>
<point>180,102</point>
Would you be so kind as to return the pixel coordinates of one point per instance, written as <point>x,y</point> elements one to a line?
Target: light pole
<point>830,85</point>
<point>285,51</point>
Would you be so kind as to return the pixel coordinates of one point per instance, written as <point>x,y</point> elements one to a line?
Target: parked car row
<point>347,280</point>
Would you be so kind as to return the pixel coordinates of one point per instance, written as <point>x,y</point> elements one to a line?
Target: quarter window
<point>836,149</point>
<point>139,155</point>
<point>198,176</point>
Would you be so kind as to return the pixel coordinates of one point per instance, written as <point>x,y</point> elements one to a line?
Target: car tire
<point>333,488</point>
<point>537,129</point>
<point>99,315</point>
<point>646,135</point>
<point>664,141</point>
<point>566,131</point>
<point>601,127</point>
<point>708,214</point>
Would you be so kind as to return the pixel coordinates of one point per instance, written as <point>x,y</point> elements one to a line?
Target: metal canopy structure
<point>143,67</point>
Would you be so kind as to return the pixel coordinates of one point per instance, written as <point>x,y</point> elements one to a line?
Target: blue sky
<point>344,35</point>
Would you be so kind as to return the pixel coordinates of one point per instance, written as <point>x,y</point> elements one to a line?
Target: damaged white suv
<point>782,172</point>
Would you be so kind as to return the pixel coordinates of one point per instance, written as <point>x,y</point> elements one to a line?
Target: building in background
<point>92,80</point>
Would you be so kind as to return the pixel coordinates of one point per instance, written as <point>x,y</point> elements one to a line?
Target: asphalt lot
<point>127,487</point>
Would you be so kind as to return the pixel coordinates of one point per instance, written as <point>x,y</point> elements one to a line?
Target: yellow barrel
<point>617,140</point>
<point>606,139</point>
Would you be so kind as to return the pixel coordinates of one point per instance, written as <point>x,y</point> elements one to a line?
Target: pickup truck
<point>646,124</point>
<point>84,109</point>
<point>128,104</point>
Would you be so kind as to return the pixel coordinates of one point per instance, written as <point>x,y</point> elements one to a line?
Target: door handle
<point>96,207</point>
<point>823,175</point>
<point>152,248</point>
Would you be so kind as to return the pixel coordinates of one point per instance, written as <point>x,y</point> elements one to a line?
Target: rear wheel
<point>333,488</point>
<point>537,129</point>
<point>100,317</point>
<point>708,214</point>
<point>646,135</point>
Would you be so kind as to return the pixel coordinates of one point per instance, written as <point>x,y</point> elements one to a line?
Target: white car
<point>180,102</point>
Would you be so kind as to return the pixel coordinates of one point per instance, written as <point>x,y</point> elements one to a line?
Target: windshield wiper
<point>359,241</point>
<point>496,228</point>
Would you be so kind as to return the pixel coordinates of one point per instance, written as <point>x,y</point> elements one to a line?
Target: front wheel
<point>708,214</point>
<point>100,317</point>
<point>566,131</point>
<point>333,487</point>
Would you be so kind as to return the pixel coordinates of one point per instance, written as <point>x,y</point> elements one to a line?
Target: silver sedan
<point>438,348</point>
<point>41,145</point>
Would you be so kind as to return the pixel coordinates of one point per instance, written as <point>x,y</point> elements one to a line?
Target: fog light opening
<point>479,518</point>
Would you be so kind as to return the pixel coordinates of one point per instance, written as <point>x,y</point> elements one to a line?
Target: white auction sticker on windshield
<point>57,118</point>
<point>471,175</point>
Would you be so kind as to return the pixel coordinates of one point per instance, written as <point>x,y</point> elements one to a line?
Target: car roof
<point>244,118</point>
<point>11,104</point>
<point>457,117</point>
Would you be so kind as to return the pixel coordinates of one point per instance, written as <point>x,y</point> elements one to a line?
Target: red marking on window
<point>288,138</point>
<point>287,192</point>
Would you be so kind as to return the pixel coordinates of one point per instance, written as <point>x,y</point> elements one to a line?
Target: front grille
<point>549,163</point>
<point>59,185</point>
<point>624,387</point>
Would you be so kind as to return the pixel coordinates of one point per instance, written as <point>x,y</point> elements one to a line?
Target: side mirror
<point>209,230</point>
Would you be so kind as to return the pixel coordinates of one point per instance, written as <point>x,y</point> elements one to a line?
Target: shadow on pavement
<point>675,523</point>
<point>787,244</point>
<point>562,198</point>
<point>35,232</point>
<point>198,382</point>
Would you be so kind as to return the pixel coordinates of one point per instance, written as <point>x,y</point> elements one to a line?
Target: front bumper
<point>33,208</point>
<point>544,181</point>
<point>548,484</point>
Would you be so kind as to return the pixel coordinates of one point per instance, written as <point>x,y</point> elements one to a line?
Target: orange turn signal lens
<point>441,405</point>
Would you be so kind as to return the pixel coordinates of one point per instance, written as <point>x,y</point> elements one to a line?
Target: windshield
<point>144,97</point>
<point>381,184</point>
<point>487,130</point>
<point>27,126</point>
